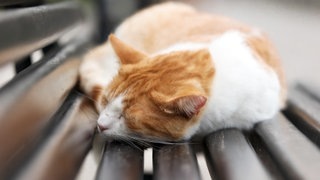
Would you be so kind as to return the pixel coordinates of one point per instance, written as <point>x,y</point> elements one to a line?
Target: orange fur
<point>161,26</point>
<point>170,75</point>
<point>126,54</point>
<point>96,92</point>
<point>153,85</point>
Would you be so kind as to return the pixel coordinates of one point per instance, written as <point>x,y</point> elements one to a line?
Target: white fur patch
<point>243,90</point>
<point>109,67</point>
<point>111,117</point>
<point>99,69</point>
<point>183,47</point>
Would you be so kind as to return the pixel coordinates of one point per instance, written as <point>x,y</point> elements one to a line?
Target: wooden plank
<point>232,157</point>
<point>296,155</point>
<point>304,112</point>
<point>311,89</point>
<point>175,162</point>
<point>29,100</point>
<point>24,30</point>
<point>264,156</point>
<point>15,2</point>
<point>121,161</point>
<point>63,144</point>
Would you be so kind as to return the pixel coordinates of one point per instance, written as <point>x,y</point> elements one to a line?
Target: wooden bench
<point>46,129</point>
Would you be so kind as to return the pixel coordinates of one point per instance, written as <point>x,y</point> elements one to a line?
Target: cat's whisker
<point>142,142</point>
<point>125,139</point>
<point>136,141</point>
<point>159,141</point>
<point>132,144</point>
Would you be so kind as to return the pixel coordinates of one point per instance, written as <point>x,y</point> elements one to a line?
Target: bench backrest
<point>42,133</point>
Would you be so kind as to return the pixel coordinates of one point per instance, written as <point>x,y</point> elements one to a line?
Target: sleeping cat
<point>170,73</point>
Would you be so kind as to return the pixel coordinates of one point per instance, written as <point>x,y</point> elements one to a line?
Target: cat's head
<point>155,97</point>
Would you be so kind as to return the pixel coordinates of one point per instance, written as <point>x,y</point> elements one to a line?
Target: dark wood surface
<point>24,30</point>
<point>30,99</point>
<point>232,157</point>
<point>63,144</point>
<point>304,111</point>
<point>16,2</point>
<point>295,154</point>
<point>175,162</point>
<point>121,161</point>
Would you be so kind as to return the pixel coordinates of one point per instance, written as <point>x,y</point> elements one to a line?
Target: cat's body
<point>176,73</point>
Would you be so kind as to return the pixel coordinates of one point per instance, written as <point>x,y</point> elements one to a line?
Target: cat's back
<point>165,24</point>
<point>168,24</point>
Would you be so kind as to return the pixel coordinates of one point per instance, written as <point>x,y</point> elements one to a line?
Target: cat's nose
<point>102,127</point>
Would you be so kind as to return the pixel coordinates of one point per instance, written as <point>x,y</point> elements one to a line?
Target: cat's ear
<point>126,53</point>
<point>188,105</point>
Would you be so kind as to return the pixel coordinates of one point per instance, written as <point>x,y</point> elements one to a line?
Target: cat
<point>171,73</point>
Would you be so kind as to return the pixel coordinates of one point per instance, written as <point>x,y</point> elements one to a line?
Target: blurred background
<point>293,26</point>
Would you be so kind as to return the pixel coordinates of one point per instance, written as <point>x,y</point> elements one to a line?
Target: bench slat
<point>63,143</point>
<point>175,162</point>
<point>232,157</point>
<point>296,156</point>
<point>121,161</point>
<point>24,30</point>
<point>304,111</point>
<point>28,101</point>
<point>14,2</point>
<point>311,89</point>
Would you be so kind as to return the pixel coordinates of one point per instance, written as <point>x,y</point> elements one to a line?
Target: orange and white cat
<point>170,73</point>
